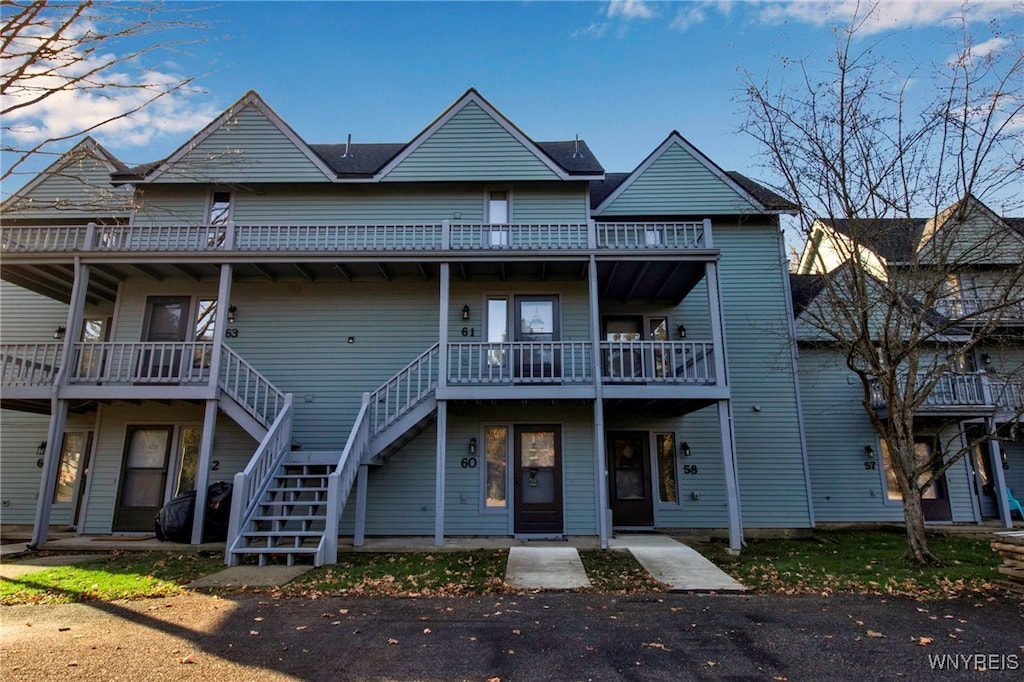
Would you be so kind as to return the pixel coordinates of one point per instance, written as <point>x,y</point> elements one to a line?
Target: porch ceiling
<point>641,280</point>
<point>614,408</point>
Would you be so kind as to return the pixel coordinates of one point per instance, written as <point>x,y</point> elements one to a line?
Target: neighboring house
<point>983,393</point>
<point>469,333</point>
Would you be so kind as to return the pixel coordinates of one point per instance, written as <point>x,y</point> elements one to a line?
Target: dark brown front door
<point>538,479</point>
<point>630,480</point>
<point>143,477</point>
<point>935,499</point>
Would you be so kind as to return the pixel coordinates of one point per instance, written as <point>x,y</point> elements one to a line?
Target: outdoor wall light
<point>351,339</point>
<point>472,445</point>
<point>869,452</point>
<point>59,332</point>
<point>465,312</point>
<point>684,449</point>
<point>40,452</point>
<point>986,359</point>
<point>681,331</point>
<point>1002,459</point>
<point>231,314</point>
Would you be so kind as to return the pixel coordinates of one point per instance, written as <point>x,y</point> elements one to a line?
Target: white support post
<point>54,444</point>
<point>442,326</point>
<point>600,455</point>
<point>203,470</point>
<point>732,496</point>
<point>58,406</point>
<point>717,323</point>
<point>359,536</point>
<point>223,303</point>
<point>999,482</point>
<point>442,435</point>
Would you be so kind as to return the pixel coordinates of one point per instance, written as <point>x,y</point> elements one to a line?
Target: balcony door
<point>623,361</point>
<point>167,322</point>
<point>538,479</point>
<point>630,490</point>
<point>536,323</point>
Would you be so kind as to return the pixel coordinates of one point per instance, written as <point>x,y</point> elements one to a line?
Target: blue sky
<point>622,75</point>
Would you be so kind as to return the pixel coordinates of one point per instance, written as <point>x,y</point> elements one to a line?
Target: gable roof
<point>251,100</point>
<point>803,289</point>
<point>371,161</point>
<point>559,158</point>
<point>894,239</point>
<point>88,147</point>
<point>758,197</point>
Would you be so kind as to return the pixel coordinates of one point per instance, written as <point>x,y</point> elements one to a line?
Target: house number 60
<point>469,462</point>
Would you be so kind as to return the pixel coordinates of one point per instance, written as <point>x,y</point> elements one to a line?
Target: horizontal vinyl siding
<point>20,435</point>
<point>248,147</point>
<point>677,183</point>
<point>699,430</point>
<point>80,190</point>
<point>365,203</point>
<point>471,146</point>
<point>1014,475</point>
<point>772,481</point>
<point>28,317</point>
<point>837,430</point>
<point>106,466</point>
<point>400,495</point>
<point>296,335</point>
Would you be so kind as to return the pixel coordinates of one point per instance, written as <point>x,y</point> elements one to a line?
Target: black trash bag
<point>218,512</point>
<point>174,521</point>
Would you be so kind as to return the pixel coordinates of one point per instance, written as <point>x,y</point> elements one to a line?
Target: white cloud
<point>685,18</point>
<point>69,112</point>
<point>884,15</point>
<point>630,9</point>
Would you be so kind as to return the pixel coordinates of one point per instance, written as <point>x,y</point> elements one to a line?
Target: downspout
<point>794,354</point>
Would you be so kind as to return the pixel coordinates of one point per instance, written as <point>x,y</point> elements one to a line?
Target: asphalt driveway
<point>558,636</point>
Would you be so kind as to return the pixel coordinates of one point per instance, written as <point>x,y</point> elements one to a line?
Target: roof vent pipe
<point>348,146</point>
<point>576,154</point>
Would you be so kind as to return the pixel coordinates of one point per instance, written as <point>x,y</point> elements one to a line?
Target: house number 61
<point>469,331</point>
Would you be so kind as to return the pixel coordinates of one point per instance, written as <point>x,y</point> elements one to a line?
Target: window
<point>74,447</point>
<point>923,451</point>
<point>666,445</point>
<point>220,208</point>
<point>205,328</point>
<point>190,438</point>
<point>497,330</point>
<point>495,479</point>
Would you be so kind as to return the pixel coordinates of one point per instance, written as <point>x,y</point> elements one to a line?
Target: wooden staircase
<point>290,519</point>
<point>286,505</point>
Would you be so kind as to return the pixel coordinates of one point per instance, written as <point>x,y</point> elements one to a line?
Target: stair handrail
<point>424,370</point>
<point>252,482</point>
<point>341,480</point>
<point>249,388</point>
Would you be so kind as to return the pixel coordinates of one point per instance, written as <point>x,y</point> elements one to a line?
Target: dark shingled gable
<point>894,239</point>
<point>803,289</point>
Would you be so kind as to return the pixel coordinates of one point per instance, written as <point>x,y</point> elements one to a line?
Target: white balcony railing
<point>654,362</point>
<point>113,362</point>
<point>400,237</point>
<point>29,364</point>
<point>965,389</point>
<point>520,362</point>
<point>981,308</point>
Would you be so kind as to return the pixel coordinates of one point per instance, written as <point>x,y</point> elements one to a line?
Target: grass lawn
<point>865,562</point>
<point>117,575</point>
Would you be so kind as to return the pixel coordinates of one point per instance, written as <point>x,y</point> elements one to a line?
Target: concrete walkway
<point>545,568</point>
<point>680,567</point>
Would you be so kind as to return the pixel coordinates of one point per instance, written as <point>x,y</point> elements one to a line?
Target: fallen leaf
<point>925,641</point>
<point>712,664</point>
<point>655,645</point>
<point>301,627</point>
<point>426,631</point>
<point>392,640</point>
<point>187,660</point>
<point>877,635</point>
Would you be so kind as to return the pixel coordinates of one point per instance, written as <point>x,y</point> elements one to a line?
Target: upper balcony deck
<point>649,260</point>
<point>965,394</point>
<point>297,240</point>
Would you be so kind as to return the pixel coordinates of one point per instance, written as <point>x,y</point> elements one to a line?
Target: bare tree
<point>90,55</point>
<point>892,200</point>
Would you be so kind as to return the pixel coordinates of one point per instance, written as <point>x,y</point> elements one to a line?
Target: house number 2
<point>469,331</point>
